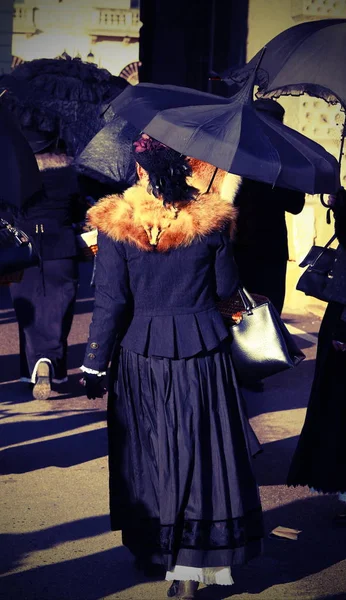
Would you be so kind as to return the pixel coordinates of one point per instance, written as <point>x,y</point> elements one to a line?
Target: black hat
<point>270,106</point>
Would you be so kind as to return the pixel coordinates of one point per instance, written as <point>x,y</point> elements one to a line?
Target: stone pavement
<point>55,538</point>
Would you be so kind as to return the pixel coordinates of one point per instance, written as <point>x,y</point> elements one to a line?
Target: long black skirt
<point>182,488</point>
<point>320,458</point>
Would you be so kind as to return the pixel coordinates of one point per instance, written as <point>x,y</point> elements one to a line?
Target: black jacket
<point>160,299</point>
<point>50,220</point>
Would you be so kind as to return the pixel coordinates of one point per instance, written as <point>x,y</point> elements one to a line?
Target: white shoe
<point>42,386</point>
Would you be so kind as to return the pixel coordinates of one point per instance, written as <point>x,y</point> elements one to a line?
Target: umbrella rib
<point>199,127</point>
<point>275,150</point>
<point>305,156</point>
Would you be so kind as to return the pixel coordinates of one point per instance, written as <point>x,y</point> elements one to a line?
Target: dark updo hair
<point>167,170</point>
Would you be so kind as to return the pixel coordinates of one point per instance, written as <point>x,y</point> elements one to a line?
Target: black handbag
<point>17,250</point>
<point>261,345</point>
<point>316,279</point>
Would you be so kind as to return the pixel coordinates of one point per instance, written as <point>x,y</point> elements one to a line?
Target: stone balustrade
<point>105,22</point>
<point>115,22</point>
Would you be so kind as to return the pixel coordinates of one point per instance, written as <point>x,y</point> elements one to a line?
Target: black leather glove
<point>94,385</point>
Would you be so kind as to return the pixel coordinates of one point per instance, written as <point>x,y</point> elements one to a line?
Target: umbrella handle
<point>211,180</point>
<point>323,202</point>
<point>329,209</point>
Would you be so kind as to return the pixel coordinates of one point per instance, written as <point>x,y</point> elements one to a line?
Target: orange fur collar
<point>140,219</point>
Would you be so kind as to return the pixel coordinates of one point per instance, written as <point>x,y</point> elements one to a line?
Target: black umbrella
<point>147,99</point>
<point>19,174</point>
<point>305,59</point>
<point>108,158</point>
<point>64,96</point>
<point>231,135</point>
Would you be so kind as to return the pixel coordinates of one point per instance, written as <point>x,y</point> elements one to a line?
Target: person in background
<point>319,460</point>
<point>182,487</point>
<point>44,299</point>
<point>260,245</point>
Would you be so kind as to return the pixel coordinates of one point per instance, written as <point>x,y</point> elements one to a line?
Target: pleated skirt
<point>182,487</point>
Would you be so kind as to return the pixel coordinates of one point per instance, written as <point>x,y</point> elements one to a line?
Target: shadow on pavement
<point>16,392</point>
<point>62,452</point>
<point>285,391</point>
<point>7,317</point>
<point>99,575</point>
<point>23,431</point>
<point>9,369</point>
<point>318,547</point>
<point>18,545</point>
<point>93,577</point>
<point>271,466</point>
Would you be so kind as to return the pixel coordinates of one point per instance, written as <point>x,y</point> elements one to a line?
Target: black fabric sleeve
<point>113,303</point>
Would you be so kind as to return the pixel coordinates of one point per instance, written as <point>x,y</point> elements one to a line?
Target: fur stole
<point>140,219</point>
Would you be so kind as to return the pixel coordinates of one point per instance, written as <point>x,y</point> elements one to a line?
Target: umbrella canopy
<point>19,174</point>
<point>64,96</point>
<point>307,58</point>
<point>146,100</point>
<point>108,158</point>
<point>231,135</point>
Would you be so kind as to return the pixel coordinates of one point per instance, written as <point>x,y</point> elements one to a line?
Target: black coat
<point>162,302</point>
<point>320,458</point>
<point>49,221</point>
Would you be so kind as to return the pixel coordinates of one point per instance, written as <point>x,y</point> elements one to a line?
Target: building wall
<point>313,117</point>
<point>107,34</point>
<point>6,14</point>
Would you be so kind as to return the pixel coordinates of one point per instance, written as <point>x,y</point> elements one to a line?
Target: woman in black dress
<point>182,488</point>
<point>320,458</point>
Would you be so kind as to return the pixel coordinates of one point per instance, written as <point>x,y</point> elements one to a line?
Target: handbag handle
<point>247,300</point>
<point>322,251</point>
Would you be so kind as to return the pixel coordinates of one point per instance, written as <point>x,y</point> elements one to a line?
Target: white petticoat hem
<point>206,575</point>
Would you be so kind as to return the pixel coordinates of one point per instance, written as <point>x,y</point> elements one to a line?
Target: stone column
<point>6,28</point>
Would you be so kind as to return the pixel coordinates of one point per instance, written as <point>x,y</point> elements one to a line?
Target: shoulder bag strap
<point>323,250</point>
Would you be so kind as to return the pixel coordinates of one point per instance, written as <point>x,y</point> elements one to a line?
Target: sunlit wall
<point>107,34</point>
